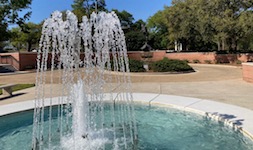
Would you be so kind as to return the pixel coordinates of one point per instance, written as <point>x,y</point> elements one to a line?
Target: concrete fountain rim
<point>238,118</point>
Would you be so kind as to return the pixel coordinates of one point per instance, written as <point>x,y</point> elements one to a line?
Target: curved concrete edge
<point>216,65</point>
<point>237,117</point>
<point>248,63</point>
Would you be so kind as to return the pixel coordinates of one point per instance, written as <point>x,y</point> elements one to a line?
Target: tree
<point>86,7</point>
<point>29,37</point>
<point>135,37</point>
<point>227,21</point>
<point>201,23</point>
<point>158,31</point>
<point>16,38</point>
<point>246,21</point>
<point>9,14</point>
<point>181,20</point>
<point>126,19</point>
<point>135,40</point>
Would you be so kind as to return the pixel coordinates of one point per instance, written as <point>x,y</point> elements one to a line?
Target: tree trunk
<point>223,44</point>
<point>234,44</point>
<point>29,46</point>
<point>218,44</point>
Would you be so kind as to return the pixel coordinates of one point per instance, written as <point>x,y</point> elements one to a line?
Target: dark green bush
<point>136,66</point>
<point>208,61</point>
<point>196,61</point>
<point>238,62</point>
<point>171,65</point>
<point>185,60</point>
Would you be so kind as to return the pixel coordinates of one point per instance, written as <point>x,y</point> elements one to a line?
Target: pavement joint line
<point>188,106</point>
<point>160,92</point>
<point>149,102</point>
<point>115,88</point>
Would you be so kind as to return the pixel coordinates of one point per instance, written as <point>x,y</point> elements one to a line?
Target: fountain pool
<point>158,128</point>
<point>80,58</point>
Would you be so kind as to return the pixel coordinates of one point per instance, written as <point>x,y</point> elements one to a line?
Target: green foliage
<point>159,41</point>
<point>158,37</point>
<point>135,32</point>
<point>183,25</point>
<point>9,14</point>
<point>196,61</point>
<point>204,25</point>
<point>20,87</point>
<point>139,25</point>
<point>29,36</point>
<point>135,40</point>
<point>208,61</point>
<point>136,66</point>
<point>238,62</point>
<point>171,65</point>
<point>218,62</point>
<point>86,7</point>
<point>186,60</point>
<point>126,19</point>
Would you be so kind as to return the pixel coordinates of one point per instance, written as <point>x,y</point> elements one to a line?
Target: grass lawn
<point>20,87</point>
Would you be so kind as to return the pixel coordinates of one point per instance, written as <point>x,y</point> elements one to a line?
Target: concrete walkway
<point>203,91</point>
<point>213,82</point>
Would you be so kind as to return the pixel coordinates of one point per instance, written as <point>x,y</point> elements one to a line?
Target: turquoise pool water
<point>158,128</point>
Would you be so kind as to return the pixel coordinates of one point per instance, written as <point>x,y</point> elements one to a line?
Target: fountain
<point>83,56</point>
<point>84,100</point>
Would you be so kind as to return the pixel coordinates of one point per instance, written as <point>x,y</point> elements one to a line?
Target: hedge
<point>171,65</point>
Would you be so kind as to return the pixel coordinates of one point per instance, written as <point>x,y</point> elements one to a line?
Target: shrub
<point>171,65</point>
<point>218,62</point>
<point>238,62</point>
<point>186,60</point>
<point>136,66</point>
<point>208,61</point>
<point>195,61</point>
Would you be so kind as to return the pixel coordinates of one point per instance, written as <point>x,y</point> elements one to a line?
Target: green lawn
<point>20,87</point>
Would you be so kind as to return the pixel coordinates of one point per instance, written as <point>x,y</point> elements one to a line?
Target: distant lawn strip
<point>19,87</point>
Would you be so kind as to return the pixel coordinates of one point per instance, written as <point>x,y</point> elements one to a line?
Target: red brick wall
<point>201,57</point>
<point>158,55</point>
<point>10,58</point>
<point>28,60</point>
<point>136,55</point>
<point>247,71</point>
<point>15,55</point>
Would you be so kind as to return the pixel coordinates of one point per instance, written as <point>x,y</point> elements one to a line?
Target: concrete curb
<point>237,117</point>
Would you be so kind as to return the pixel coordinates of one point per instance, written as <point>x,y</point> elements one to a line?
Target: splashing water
<point>79,63</point>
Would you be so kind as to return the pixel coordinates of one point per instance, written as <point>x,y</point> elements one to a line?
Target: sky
<point>140,9</point>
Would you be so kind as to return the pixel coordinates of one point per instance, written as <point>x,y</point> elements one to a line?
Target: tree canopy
<point>202,25</point>
<point>159,36</point>
<point>86,7</point>
<point>134,34</point>
<point>9,14</point>
<point>27,39</point>
<point>125,18</point>
<point>206,24</point>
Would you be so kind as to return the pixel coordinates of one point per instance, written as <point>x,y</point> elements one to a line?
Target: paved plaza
<point>213,82</point>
